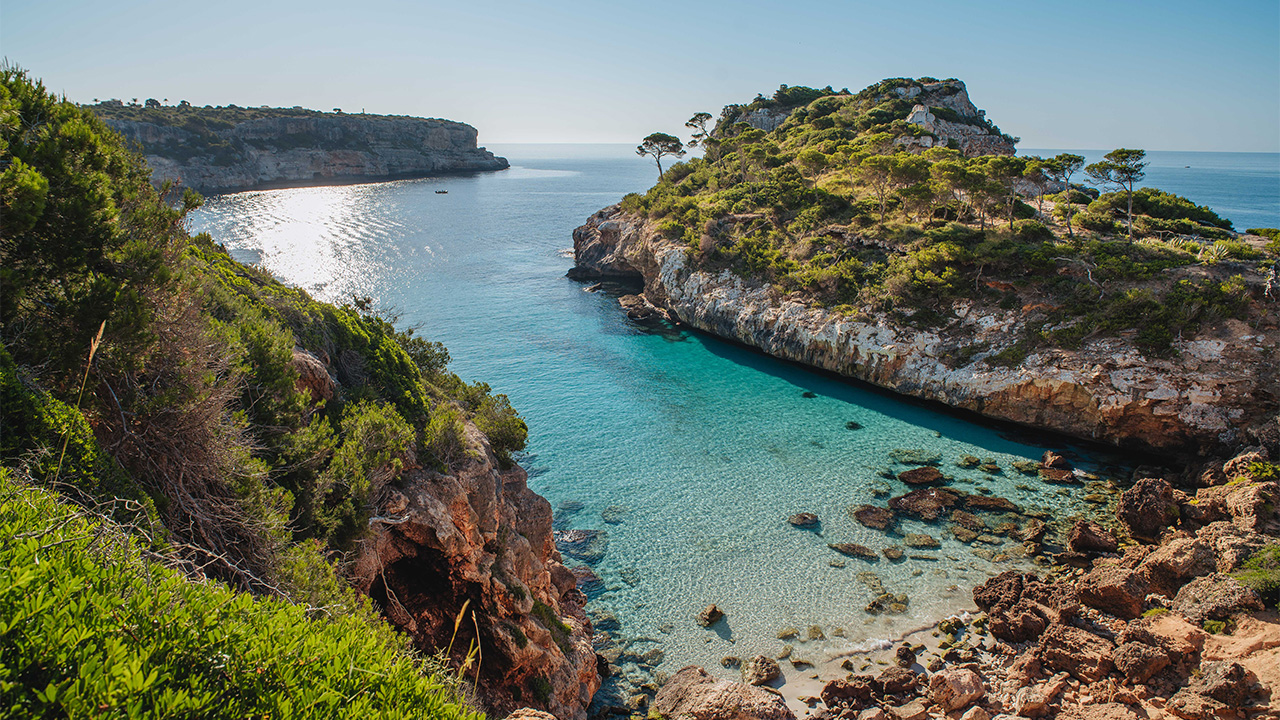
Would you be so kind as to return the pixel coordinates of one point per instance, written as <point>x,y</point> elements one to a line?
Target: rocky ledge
<point>1168,627</point>
<point>479,538</point>
<point>311,149</point>
<point>1217,390</point>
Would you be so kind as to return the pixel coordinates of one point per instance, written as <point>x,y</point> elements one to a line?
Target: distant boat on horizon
<point>442,192</point>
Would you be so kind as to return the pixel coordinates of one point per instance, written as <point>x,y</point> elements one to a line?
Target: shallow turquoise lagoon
<point>699,449</point>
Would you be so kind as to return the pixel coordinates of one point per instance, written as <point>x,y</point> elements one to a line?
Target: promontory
<point>230,148</point>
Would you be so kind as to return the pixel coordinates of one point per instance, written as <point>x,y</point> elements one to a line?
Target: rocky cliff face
<point>480,536</point>
<point>1220,388</point>
<point>307,150</point>
<point>970,131</point>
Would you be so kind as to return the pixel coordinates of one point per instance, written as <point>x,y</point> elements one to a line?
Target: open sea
<point>686,453</point>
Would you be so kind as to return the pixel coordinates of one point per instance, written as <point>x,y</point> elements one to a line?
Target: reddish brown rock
<point>955,688</point>
<point>437,555</point>
<point>1058,477</point>
<point>925,503</point>
<point>1138,662</point>
<point>1177,561</point>
<point>1167,631</point>
<point>1214,597</point>
<point>1090,537</point>
<point>896,681</point>
<point>1053,460</point>
<point>876,518</point>
<point>853,692</point>
<point>855,550</point>
<point>968,521</point>
<point>1147,509</point>
<point>1114,589</point>
<point>1070,649</point>
<point>1256,507</point>
<point>1239,465</point>
<point>990,503</point>
<point>803,520</point>
<point>927,475</point>
<point>760,669</point>
<point>313,376</point>
<point>694,693</point>
<point>1020,607</point>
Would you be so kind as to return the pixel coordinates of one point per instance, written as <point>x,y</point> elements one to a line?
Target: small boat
<point>442,192</point>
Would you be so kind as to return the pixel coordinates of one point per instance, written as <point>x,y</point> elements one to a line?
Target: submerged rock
<point>589,546</point>
<point>914,456</point>
<point>925,503</point>
<point>710,615</point>
<point>926,475</point>
<point>803,520</point>
<point>876,518</point>
<point>855,550</point>
<point>919,540</point>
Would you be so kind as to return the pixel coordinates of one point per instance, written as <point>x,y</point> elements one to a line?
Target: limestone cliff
<point>215,155</point>
<point>1218,388</point>
<point>479,534</point>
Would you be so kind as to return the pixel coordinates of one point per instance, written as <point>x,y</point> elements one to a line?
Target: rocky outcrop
<point>1214,390</point>
<point>309,149</point>
<point>480,538</point>
<point>694,693</point>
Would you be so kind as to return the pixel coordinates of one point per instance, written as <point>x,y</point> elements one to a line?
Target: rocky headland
<point>1217,389</point>
<point>218,151</point>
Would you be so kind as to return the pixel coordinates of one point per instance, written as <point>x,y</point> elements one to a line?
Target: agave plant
<point>1211,254</point>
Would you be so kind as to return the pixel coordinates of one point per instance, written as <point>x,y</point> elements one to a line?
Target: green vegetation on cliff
<point>244,429</point>
<point>855,208</point>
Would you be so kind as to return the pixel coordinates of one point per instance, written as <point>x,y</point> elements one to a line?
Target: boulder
<point>914,710</point>
<point>895,681</point>
<point>1090,537</point>
<point>637,307</point>
<point>1177,561</point>
<point>1214,597</point>
<point>955,688</point>
<point>694,693</point>
<point>1058,477</point>
<point>803,520</point>
<point>1238,466</point>
<point>876,518</point>
<point>1033,531</point>
<point>1147,508</point>
<point>313,376</point>
<point>1114,589</point>
<point>1227,682</point>
<point>1051,459</point>
<point>904,656</point>
<point>1081,653</point>
<point>1138,662</point>
<point>853,692</point>
<point>926,475</point>
<point>1255,507</point>
<point>893,553</point>
<point>710,615</point>
<point>855,550</point>
<point>530,714</point>
<point>760,670</point>
<point>925,503</point>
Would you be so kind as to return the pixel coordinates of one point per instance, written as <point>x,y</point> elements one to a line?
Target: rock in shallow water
<point>876,518</point>
<point>855,550</point>
<point>803,520</point>
<point>695,694</point>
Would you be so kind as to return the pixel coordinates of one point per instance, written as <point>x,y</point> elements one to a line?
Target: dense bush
<point>88,628</point>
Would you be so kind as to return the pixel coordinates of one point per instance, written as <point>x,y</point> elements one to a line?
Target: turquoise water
<point>700,449</point>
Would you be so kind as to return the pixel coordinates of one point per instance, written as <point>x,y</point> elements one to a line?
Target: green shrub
<point>89,629</point>
<point>1261,572</point>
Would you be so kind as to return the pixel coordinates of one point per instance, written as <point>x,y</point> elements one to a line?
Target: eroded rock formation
<point>480,536</point>
<point>1217,388</point>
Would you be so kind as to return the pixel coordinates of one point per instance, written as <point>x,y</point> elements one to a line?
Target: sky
<point>1169,75</point>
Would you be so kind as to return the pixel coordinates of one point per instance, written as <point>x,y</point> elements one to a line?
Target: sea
<point>684,455</point>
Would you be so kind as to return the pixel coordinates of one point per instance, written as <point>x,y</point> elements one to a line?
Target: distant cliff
<point>229,149</point>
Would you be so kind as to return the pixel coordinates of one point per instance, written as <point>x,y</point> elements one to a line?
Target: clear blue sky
<point>1170,75</point>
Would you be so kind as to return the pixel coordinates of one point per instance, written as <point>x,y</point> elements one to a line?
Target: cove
<point>681,456</point>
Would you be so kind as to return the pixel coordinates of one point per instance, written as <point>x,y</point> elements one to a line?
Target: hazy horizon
<point>1175,75</point>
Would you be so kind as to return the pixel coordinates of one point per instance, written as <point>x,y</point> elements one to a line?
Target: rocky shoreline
<point>1216,390</point>
<point>1146,621</point>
